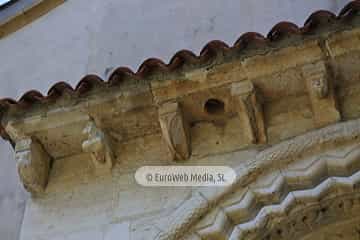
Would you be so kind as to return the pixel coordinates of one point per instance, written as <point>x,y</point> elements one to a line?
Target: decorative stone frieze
<point>301,211</point>
<point>256,213</point>
<point>175,130</point>
<point>99,146</point>
<point>33,164</point>
<point>249,106</point>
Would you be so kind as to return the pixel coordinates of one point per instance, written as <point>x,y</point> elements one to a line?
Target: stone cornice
<point>187,73</point>
<point>263,71</point>
<point>259,92</point>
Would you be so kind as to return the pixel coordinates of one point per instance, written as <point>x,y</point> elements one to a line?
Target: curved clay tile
<point>3,133</point>
<point>318,19</point>
<point>119,74</point>
<point>283,29</point>
<point>31,97</point>
<point>58,89</point>
<point>182,57</point>
<point>6,102</point>
<point>150,65</point>
<point>211,49</point>
<point>249,38</point>
<point>350,9</point>
<point>87,83</point>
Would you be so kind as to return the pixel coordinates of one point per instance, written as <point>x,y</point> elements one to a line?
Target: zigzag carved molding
<point>333,186</point>
<point>179,223</point>
<point>255,200</point>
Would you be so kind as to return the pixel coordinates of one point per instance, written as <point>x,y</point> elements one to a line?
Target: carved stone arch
<point>300,218</point>
<point>302,171</point>
<point>290,202</point>
<point>301,212</point>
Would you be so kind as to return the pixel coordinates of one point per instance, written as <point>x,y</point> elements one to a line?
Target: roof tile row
<point>316,21</point>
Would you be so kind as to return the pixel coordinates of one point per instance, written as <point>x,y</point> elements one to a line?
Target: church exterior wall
<point>81,37</point>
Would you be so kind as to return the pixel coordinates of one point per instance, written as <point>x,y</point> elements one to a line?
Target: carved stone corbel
<point>250,109</point>
<point>33,164</point>
<point>321,94</point>
<point>175,130</point>
<point>98,145</point>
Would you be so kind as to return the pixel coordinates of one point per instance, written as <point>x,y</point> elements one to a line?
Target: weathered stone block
<point>33,165</point>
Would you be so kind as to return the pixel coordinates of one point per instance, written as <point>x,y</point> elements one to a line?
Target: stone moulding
<point>328,190</point>
<point>272,158</point>
<point>263,201</point>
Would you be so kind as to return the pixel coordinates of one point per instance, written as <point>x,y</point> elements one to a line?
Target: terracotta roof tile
<point>316,20</point>
<point>283,29</point>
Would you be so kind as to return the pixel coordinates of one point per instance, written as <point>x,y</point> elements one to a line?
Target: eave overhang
<point>257,91</point>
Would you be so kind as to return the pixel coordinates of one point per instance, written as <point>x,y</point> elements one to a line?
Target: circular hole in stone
<point>214,106</point>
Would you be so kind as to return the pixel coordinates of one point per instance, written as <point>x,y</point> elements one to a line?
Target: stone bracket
<point>175,130</point>
<point>321,94</point>
<point>99,146</point>
<point>250,110</point>
<point>33,164</point>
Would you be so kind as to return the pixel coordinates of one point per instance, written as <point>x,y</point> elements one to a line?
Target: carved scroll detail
<point>250,108</point>
<point>321,93</point>
<point>175,131</point>
<point>98,145</point>
<point>33,165</point>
